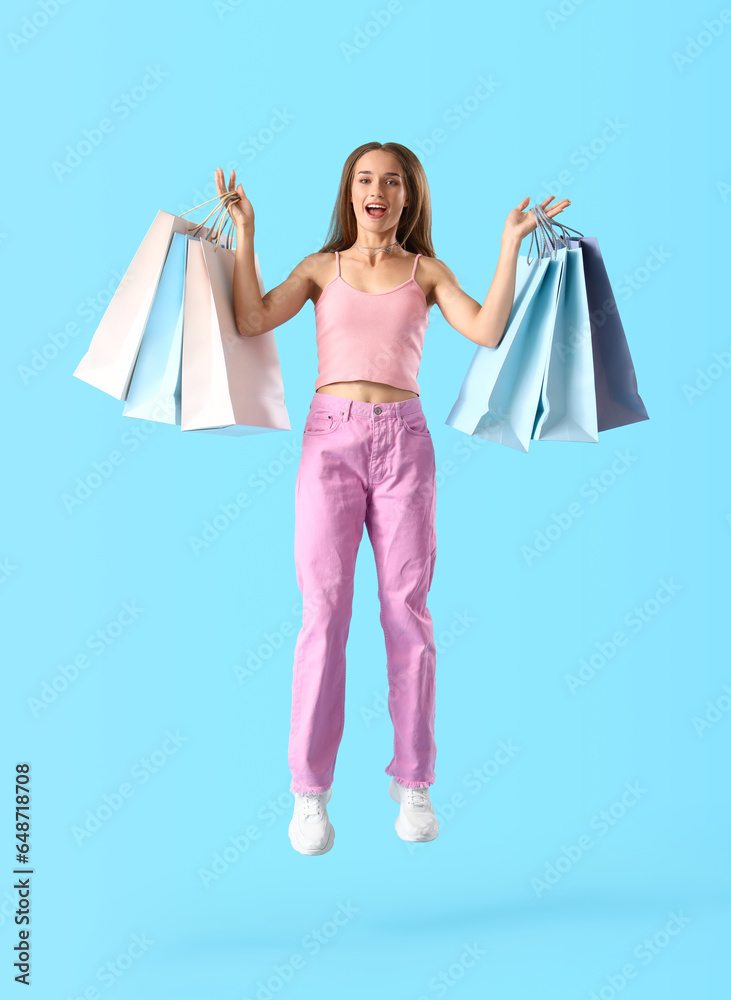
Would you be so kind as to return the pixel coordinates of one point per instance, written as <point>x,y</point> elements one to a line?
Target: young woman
<point>368,459</point>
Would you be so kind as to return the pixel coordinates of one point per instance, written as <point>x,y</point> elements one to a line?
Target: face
<point>379,179</point>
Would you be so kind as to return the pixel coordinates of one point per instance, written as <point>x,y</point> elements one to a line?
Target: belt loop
<point>347,404</point>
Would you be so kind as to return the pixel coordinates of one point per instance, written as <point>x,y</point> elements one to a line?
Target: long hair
<point>414,228</point>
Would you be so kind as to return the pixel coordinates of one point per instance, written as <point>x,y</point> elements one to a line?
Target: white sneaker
<point>310,829</point>
<point>416,821</point>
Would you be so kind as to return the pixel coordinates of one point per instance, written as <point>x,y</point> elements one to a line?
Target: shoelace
<point>312,806</point>
<point>416,797</point>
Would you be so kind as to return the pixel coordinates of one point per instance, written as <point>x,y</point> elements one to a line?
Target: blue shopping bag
<point>618,402</point>
<point>515,399</point>
<point>473,412</point>
<point>567,407</point>
<point>154,389</point>
<point>615,382</point>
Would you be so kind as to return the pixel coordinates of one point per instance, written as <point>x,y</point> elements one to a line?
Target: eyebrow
<point>389,173</point>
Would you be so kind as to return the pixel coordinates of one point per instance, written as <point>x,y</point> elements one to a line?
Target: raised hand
<point>520,223</point>
<point>241,211</point>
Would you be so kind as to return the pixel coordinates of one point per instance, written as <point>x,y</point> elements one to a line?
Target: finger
<point>544,203</point>
<point>220,181</point>
<point>558,207</point>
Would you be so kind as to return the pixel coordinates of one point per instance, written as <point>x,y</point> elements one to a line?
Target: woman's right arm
<point>256,315</point>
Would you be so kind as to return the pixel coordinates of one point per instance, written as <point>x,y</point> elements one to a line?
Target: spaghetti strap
<point>416,261</point>
<point>337,259</point>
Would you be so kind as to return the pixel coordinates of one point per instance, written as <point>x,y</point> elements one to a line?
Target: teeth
<point>375,206</point>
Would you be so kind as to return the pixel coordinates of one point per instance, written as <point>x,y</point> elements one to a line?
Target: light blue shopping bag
<point>515,398</point>
<point>473,412</point>
<point>154,390</point>
<point>567,408</point>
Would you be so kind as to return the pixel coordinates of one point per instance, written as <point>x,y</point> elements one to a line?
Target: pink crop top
<point>375,336</point>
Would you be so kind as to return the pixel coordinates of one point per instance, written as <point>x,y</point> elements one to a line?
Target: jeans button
<point>377,409</point>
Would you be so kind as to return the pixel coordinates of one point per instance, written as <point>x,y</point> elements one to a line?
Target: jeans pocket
<point>322,421</point>
<point>415,423</point>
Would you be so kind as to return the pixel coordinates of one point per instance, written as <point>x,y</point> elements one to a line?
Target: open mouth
<point>376,209</point>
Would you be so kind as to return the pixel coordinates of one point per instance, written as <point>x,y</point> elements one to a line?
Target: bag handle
<point>219,223</point>
<point>549,223</point>
<point>542,246</point>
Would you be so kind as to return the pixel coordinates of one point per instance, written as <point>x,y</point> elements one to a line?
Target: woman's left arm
<point>485,324</point>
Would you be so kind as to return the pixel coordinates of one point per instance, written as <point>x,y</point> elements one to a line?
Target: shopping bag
<point>618,402</point>
<point>515,399</point>
<point>567,406</point>
<point>154,389</point>
<point>615,382</point>
<point>112,353</point>
<point>470,411</point>
<point>231,384</point>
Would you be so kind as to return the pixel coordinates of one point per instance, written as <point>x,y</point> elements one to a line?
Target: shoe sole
<point>403,831</point>
<point>310,851</point>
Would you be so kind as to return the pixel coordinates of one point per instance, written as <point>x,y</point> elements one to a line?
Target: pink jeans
<point>369,463</point>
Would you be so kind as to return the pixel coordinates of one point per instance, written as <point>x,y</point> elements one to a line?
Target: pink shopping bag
<point>230,384</point>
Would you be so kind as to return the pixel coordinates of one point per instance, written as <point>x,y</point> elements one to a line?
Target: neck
<point>369,240</point>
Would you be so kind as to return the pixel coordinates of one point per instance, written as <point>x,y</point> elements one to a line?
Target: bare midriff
<point>367,392</point>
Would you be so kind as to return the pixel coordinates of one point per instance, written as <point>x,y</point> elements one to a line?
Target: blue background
<point>508,631</point>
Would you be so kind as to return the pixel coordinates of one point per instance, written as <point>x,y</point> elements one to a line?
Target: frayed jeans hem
<point>409,784</point>
<point>308,789</point>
